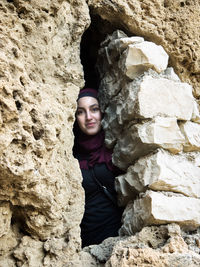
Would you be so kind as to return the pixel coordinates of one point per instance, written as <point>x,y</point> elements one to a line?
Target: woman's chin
<point>92,131</point>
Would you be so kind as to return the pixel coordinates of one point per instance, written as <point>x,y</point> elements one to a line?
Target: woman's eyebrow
<point>94,105</point>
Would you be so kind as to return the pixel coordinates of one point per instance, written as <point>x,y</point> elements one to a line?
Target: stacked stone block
<point>152,123</point>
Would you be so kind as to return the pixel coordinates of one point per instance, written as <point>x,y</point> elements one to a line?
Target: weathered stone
<point>163,172</point>
<point>196,113</point>
<point>124,192</point>
<point>8,242</point>
<point>170,73</point>
<point>163,22</point>
<point>111,124</point>
<point>109,54</point>
<point>122,43</point>
<point>128,107</point>
<point>5,218</point>
<point>154,246</point>
<point>149,97</point>
<point>158,208</point>
<point>142,56</point>
<point>30,252</point>
<point>41,75</point>
<point>191,131</point>
<point>141,139</point>
<point>164,97</point>
<point>103,251</point>
<point>86,259</point>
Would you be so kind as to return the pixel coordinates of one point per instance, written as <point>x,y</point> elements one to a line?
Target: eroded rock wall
<point>40,183</point>
<point>42,200</point>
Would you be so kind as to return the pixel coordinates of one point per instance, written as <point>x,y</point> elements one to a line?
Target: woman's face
<point>88,115</point>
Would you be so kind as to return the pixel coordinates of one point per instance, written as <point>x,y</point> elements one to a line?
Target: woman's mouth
<point>91,124</point>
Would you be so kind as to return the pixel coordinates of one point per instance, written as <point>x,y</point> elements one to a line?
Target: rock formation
<point>41,197</point>
<point>42,200</point>
<point>171,23</point>
<point>149,117</point>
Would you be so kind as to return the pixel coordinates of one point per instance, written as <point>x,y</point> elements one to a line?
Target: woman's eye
<point>95,109</point>
<point>79,112</point>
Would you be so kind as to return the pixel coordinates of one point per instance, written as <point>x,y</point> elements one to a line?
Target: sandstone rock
<point>163,172</point>
<point>7,261</point>
<point>30,252</point>
<point>5,218</point>
<point>141,139</point>
<point>154,246</point>
<point>191,131</point>
<point>140,57</point>
<point>41,75</point>
<point>86,259</point>
<point>58,252</point>
<point>8,242</point>
<point>158,208</point>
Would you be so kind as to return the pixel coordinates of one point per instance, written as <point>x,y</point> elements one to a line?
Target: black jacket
<point>102,218</point>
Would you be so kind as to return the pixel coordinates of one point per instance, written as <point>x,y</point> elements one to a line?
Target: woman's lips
<point>92,124</point>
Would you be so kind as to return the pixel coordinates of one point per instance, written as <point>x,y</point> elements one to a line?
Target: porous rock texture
<point>42,200</point>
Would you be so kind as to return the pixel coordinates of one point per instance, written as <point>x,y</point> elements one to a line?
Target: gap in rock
<point>90,45</point>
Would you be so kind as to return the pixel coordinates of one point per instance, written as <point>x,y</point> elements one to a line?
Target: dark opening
<point>90,45</point>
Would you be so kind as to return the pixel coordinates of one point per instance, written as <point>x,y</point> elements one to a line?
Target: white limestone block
<point>191,131</point>
<point>165,97</point>
<point>165,172</point>
<point>151,96</point>
<point>141,139</point>
<point>156,208</point>
<point>142,56</point>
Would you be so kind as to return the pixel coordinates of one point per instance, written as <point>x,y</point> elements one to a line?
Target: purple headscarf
<point>90,149</point>
<point>88,92</point>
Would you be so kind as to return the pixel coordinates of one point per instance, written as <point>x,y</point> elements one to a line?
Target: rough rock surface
<point>140,139</point>
<point>42,200</point>
<point>162,171</point>
<point>160,246</point>
<point>156,208</point>
<point>173,24</point>
<point>151,119</point>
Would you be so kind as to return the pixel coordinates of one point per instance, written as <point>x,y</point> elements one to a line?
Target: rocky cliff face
<point>42,200</point>
<point>41,195</point>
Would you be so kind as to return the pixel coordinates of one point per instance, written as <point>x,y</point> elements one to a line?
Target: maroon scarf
<point>90,149</point>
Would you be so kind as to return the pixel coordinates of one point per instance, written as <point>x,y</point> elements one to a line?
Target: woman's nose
<point>88,115</point>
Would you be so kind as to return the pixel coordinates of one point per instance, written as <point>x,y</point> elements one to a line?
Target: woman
<point>102,217</point>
